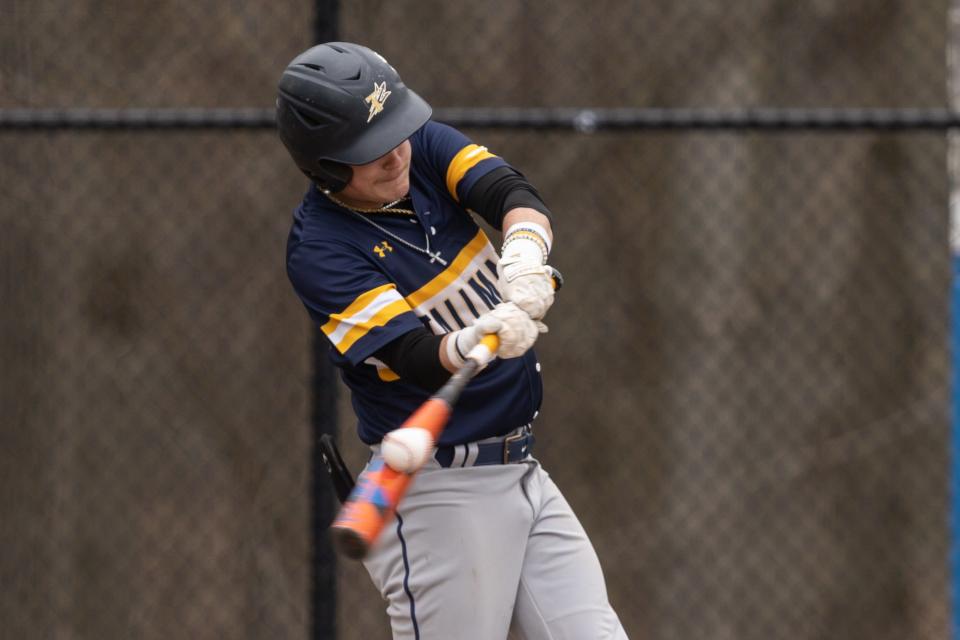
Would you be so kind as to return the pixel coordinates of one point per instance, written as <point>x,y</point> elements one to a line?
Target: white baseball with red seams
<point>406,449</point>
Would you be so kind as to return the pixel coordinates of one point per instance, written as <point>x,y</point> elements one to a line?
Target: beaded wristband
<point>530,231</point>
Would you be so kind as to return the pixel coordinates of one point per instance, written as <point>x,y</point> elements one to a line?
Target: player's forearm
<point>414,357</point>
<point>523,276</point>
<point>526,214</point>
<point>500,192</point>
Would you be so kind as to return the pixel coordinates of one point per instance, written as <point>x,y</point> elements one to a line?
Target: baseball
<point>406,449</point>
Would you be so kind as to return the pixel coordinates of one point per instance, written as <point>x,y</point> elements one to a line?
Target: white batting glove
<point>514,327</point>
<point>523,277</point>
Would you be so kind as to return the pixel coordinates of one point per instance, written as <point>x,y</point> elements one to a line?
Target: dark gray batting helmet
<point>342,104</point>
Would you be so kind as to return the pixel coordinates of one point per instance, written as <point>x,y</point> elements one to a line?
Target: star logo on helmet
<point>376,99</point>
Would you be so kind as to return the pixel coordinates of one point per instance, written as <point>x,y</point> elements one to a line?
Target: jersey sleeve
<point>454,158</point>
<point>356,307</point>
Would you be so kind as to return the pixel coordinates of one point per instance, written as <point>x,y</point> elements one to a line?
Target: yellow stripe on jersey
<point>382,317</point>
<point>371,309</point>
<point>451,273</point>
<point>384,372</point>
<point>358,305</point>
<point>387,374</point>
<point>466,159</point>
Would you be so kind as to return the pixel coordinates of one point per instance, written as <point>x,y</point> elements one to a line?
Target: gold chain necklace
<point>387,208</point>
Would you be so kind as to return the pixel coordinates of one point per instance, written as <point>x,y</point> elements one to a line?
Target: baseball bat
<point>380,488</point>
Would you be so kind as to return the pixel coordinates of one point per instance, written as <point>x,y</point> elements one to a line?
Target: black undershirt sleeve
<point>415,357</point>
<point>501,190</point>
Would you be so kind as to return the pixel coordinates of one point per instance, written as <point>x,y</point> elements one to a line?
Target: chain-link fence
<point>155,377</point>
<point>746,375</point>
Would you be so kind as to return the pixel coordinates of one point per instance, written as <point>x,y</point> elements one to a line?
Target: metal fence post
<point>953,164</point>
<point>323,591</point>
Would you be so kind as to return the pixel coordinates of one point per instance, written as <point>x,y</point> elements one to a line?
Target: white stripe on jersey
<point>363,315</point>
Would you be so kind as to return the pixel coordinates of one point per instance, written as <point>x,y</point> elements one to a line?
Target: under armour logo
<point>382,248</point>
<point>376,99</point>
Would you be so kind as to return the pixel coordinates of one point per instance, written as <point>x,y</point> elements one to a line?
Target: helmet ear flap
<point>331,176</point>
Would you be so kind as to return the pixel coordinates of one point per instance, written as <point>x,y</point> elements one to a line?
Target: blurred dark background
<point>747,373</point>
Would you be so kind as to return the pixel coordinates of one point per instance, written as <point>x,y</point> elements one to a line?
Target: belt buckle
<point>506,444</point>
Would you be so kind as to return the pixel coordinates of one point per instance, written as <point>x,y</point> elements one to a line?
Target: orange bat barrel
<point>380,488</point>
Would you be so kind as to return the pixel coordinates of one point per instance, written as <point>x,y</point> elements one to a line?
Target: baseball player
<point>402,281</point>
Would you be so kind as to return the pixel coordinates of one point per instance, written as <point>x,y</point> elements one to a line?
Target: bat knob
<point>556,276</point>
<point>349,542</point>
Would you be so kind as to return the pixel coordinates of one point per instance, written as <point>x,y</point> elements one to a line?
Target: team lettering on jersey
<point>463,291</point>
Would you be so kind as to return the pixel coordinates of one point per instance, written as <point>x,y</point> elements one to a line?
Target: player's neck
<point>363,205</point>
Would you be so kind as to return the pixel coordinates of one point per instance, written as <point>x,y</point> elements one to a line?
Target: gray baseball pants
<point>490,553</point>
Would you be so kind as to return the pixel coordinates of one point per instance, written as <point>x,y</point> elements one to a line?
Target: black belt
<point>506,450</point>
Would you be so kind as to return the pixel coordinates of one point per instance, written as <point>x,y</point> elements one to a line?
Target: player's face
<point>384,180</point>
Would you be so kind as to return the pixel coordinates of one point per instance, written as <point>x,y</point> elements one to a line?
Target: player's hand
<point>523,276</point>
<point>516,330</point>
<point>514,327</point>
<point>528,286</point>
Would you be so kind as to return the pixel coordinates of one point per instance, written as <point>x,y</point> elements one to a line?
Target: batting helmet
<point>341,104</point>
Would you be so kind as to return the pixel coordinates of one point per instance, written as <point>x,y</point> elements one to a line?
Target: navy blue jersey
<point>365,289</point>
